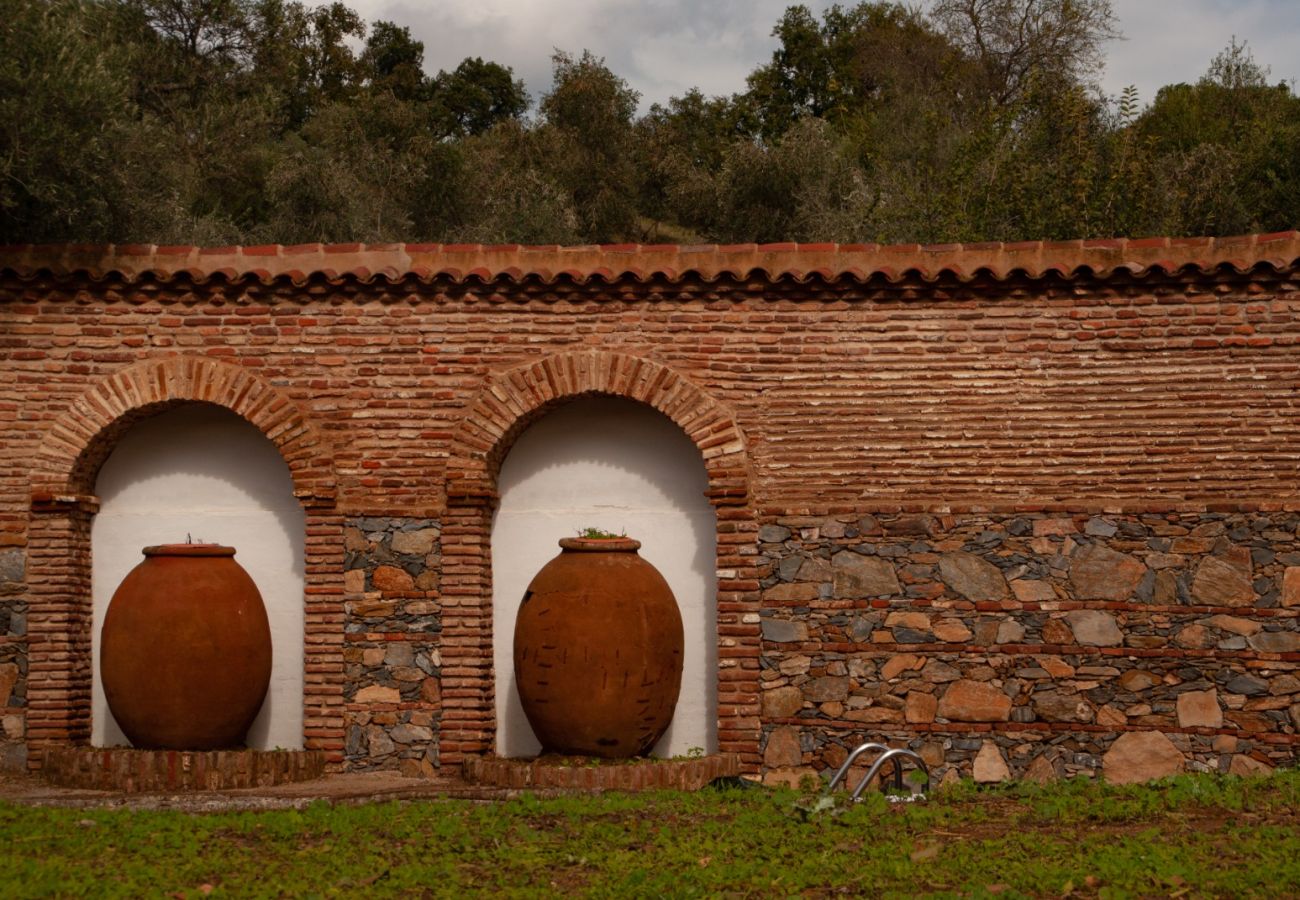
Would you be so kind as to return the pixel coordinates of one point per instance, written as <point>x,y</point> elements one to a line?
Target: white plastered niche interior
<point>620,466</point>
<point>201,471</point>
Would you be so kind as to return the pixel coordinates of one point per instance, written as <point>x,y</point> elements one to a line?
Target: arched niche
<point>619,465</point>
<point>199,470</point>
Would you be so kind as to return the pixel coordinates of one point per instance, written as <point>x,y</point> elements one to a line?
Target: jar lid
<point>189,550</point>
<point>600,545</point>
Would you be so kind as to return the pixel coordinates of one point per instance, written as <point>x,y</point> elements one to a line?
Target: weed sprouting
<point>1191,835</point>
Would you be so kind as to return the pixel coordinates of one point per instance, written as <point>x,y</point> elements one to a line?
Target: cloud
<point>666,47</point>
<point>1168,43</point>
<point>662,48</point>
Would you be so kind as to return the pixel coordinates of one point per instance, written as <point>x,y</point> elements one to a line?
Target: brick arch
<point>63,476</point>
<point>79,441</point>
<point>505,406</point>
<point>513,400</point>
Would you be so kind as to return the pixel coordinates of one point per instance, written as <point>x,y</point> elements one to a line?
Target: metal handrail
<point>843,770</point>
<point>895,756</point>
<point>889,754</point>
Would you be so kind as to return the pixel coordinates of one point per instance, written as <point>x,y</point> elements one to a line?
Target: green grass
<point>1191,836</point>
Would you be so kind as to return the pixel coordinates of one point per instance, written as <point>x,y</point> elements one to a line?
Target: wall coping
<point>481,263</point>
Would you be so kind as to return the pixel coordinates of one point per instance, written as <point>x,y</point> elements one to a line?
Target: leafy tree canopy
<point>222,121</point>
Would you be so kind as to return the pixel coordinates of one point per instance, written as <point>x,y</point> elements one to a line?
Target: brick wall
<point>1009,417</point>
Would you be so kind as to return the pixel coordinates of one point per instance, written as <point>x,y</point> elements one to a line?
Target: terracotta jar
<point>598,651</point>
<point>185,652</point>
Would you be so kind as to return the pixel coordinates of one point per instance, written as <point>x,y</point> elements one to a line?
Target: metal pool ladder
<point>896,755</point>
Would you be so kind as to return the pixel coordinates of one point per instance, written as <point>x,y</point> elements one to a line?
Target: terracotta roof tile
<point>299,263</point>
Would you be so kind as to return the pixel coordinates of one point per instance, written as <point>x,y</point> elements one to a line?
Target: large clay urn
<point>185,652</point>
<point>598,651</point>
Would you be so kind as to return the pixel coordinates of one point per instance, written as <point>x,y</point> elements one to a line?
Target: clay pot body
<point>598,651</point>
<point>185,652</point>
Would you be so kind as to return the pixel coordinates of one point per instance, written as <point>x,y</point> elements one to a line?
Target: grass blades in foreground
<point>1191,836</point>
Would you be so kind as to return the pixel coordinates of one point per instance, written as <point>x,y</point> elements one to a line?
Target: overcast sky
<point>665,47</point>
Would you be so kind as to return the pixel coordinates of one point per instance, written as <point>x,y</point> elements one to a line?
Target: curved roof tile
<point>393,263</point>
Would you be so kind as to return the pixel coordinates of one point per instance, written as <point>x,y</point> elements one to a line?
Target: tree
<point>394,62</point>
<point>586,139</point>
<point>846,68</point>
<point>73,158</point>
<point>477,96</point>
<point>1015,41</point>
<point>1228,146</point>
<point>804,187</point>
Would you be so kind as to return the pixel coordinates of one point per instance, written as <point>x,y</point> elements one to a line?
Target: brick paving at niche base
<point>1030,509</point>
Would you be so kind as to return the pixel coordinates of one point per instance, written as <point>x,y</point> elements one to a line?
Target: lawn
<point>1187,837</point>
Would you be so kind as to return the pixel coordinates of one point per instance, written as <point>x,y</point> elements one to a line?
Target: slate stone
<point>356,741</point>
<point>1219,583</point>
<point>1291,586</point>
<point>1099,527</point>
<point>990,767</point>
<point>974,701</point>
<point>829,687</point>
<point>857,576</point>
<point>1041,770</point>
<point>13,565</point>
<point>937,672</point>
<point>1053,706</point>
<point>1138,756</point>
<point>792,592</point>
<point>1247,766</point>
<point>782,702</point>
<point>951,631</point>
<point>377,693</point>
<point>861,627</point>
<point>788,568</point>
<point>1194,637</point>
<point>782,748</point>
<point>925,525</point>
<point>920,708</point>
<point>1146,588</point>
<point>1094,628</point>
<point>1262,556</point>
<point>380,743</point>
<point>1099,573</point>
<point>415,543</point>
<point>1275,641</point>
<point>411,734</point>
<point>392,579</point>
<point>773,534</point>
<point>401,655</point>
<point>1248,685</point>
<point>784,630</point>
<point>1199,709</point>
<point>814,569</point>
<point>973,577</point>
<point>1010,632</point>
<point>8,678</point>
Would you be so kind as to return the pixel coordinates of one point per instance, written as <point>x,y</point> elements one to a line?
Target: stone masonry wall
<point>1036,640</point>
<point>13,660</point>
<point>1094,443</point>
<point>392,661</point>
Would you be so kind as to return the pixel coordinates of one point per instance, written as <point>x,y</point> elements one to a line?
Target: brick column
<point>58,623</point>
<point>323,634</point>
<point>739,636</point>
<point>468,679</point>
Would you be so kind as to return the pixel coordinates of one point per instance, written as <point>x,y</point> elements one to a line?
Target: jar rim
<point>188,550</point>
<point>600,545</point>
